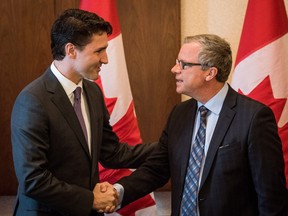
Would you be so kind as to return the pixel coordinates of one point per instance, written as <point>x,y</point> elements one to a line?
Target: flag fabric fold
<point>114,82</point>
<point>261,64</point>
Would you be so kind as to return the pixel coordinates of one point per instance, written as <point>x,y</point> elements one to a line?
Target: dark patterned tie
<point>78,110</point>
<point>189,199</point>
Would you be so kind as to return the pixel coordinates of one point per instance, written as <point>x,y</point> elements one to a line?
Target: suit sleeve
<point>113,154</point>
<point>266,163</point>
<point>152,174</point>
<point>30,141</point>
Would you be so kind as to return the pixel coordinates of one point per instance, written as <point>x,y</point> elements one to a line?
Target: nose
<point>176,69</point>
<point>104,58</point>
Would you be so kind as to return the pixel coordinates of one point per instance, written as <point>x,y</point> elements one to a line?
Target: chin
<point>179,91</point>
<point>93,78</point>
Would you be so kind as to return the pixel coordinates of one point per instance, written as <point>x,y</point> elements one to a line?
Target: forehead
<point>190,49</point>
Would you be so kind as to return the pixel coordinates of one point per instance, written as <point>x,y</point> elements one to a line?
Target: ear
<point>70,50</point>
<point>212,72</point>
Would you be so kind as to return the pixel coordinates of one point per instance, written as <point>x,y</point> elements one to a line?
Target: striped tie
<point>189,199</point>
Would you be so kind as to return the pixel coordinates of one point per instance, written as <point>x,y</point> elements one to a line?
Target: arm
<point>152,174</point>
<point>32,160</point>
<point>126,156</point>
<point>118,155</point>
<point>155,171</point>
<point>267,165</point>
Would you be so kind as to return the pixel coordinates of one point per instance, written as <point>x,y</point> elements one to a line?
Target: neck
<point>209,92</point>
<point>66,70</point>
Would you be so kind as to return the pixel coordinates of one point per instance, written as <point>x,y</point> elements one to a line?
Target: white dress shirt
<point>69,88</point>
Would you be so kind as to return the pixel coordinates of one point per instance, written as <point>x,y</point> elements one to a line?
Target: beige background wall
<point>222,17</point>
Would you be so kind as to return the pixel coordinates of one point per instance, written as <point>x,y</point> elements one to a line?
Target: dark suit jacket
<point>55,170</point>
<point>244,169</point>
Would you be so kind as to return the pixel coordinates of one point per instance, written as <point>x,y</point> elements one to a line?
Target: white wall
<point>222,17</point>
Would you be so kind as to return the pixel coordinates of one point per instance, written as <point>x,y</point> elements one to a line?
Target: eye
<point>101,50</point>
<point>183,65</point>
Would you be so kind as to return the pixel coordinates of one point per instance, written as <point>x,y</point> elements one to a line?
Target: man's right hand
<point>106,198</point>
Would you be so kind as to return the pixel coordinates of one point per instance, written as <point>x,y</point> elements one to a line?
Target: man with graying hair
<point>221,149</point>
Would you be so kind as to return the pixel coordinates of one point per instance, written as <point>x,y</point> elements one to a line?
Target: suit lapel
<point>93,104</point>
<point>63,103</point>
<point>225,118</point>
<point>186,138</point>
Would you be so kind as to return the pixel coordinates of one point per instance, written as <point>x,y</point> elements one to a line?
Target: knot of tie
<point>203,110</point>
<point>77,93</point>
<point>203,113</point>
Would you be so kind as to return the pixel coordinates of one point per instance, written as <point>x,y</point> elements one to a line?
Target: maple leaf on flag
<point>263,93</point>
<point>131,137</point>
<point>114,82</point>
<point>261,62</point>
<point>124,127</point>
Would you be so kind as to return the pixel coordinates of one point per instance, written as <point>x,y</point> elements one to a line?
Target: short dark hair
<point>77,27</point>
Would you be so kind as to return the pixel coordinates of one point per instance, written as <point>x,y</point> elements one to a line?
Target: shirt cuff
<point>120,190</point>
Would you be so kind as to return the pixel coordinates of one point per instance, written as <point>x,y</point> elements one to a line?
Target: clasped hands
<point>106,198</point>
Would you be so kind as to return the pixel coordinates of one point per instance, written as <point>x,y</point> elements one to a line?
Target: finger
<point>103,188</point>
<point>109,209</point>
<point>112,209</point>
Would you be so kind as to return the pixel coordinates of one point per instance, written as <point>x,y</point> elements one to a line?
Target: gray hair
<point>214,52</point>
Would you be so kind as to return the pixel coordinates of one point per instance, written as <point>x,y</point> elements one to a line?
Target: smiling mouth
<point>179,81</point>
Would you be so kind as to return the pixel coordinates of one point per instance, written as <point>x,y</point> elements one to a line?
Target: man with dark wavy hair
<point>56,149</point>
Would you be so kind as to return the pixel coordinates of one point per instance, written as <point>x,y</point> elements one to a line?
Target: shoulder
<point>34,88</point>
<point>182,111</point>
<point>250,103</point>
<point>245,105</point>
<point>185,106</point>
<point>237,99</point>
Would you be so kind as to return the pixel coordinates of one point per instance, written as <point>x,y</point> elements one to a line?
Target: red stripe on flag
<point>141,203</point>
<point>265,30</point>
<point>126,127</point>
<point>265,21</point>
<point>127,131</point>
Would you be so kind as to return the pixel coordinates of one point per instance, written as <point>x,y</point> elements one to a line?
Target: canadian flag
<point>115,84</point>
<point>261,67</point>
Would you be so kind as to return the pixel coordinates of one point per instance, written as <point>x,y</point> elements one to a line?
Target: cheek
<point>88,65</point>
<point>192,81</point>
<point>83,67</point>
<point>189,79</point>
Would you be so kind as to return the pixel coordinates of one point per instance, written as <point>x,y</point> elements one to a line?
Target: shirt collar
<point>215,104</point>
<point>67,84</point>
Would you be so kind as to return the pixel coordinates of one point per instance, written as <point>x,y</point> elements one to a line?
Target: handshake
<point>106,198</point>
